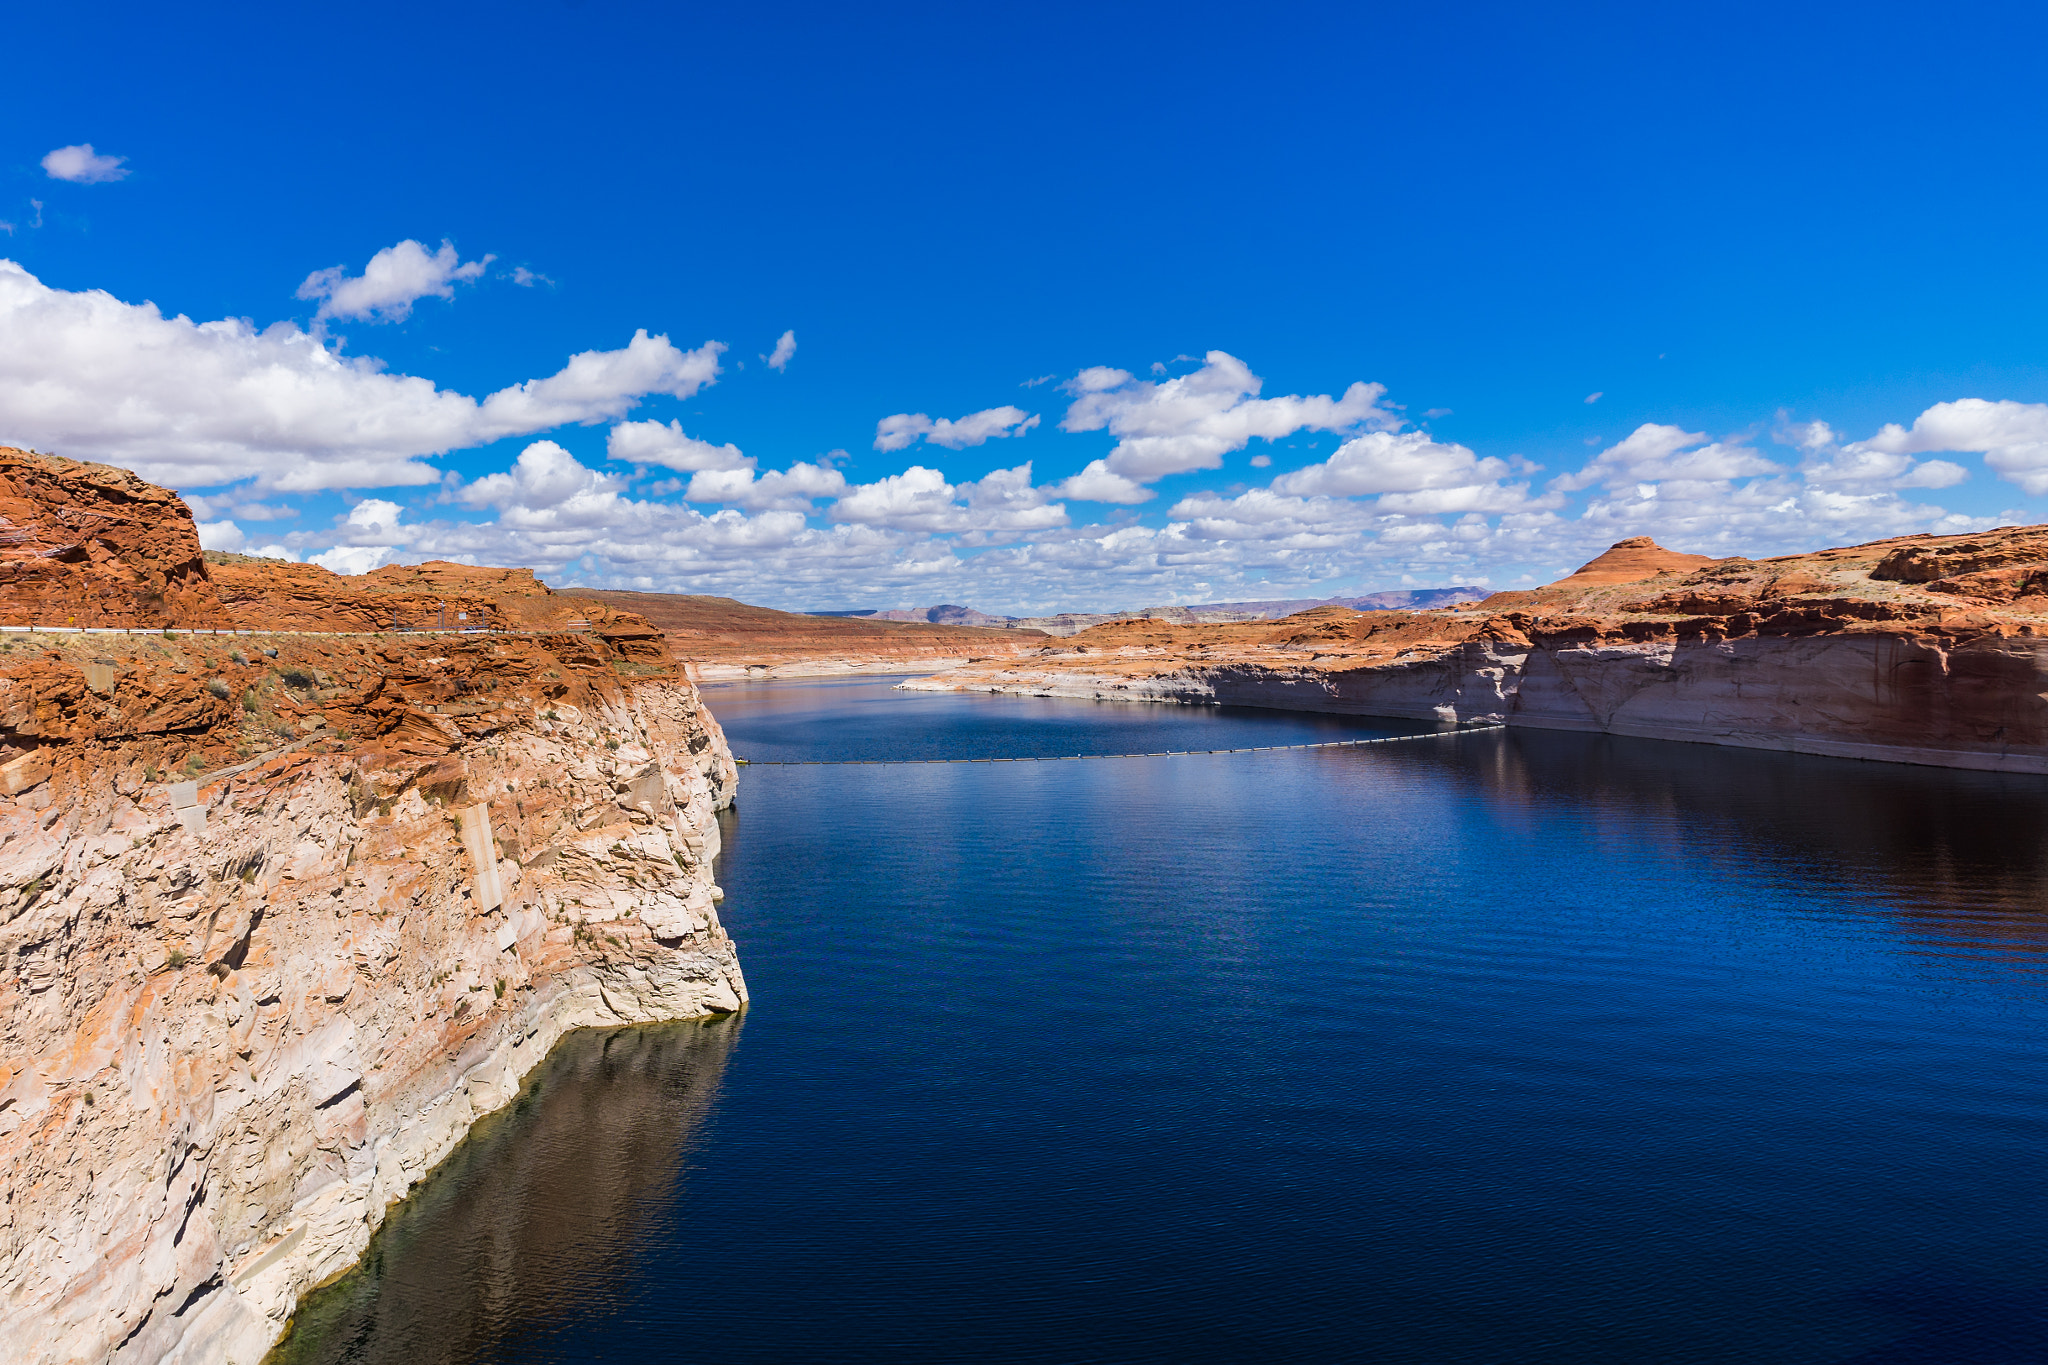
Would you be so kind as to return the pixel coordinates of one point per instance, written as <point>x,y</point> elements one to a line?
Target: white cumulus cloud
<point>905,428</point>
<point>1096,483</point>
<point>1828,463</point>
<point>1192,421</point>
<point>920,499</point>
<point>2012,436</point>
<point>396,278</point>
<point>785,348</point>
<point>665,445</point>
<point>83,166</point>
<point>194,405</point>
<point>1410,471</point>
<point>789,490</point>
<point>1654,452</point>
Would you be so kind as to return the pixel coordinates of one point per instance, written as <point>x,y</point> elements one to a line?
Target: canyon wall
<point>1929,650</point>
<point>283,915</point>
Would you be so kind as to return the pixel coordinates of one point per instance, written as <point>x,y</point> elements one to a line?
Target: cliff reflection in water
<point>544,1208</point>
<point>1952,859</point>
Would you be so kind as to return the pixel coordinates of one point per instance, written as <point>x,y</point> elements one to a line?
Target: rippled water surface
<point>1507,1046</point>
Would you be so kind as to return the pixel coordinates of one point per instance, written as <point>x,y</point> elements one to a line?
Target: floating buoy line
<point>1074,758</point>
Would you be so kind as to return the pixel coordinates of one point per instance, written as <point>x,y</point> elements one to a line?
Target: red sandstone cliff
<point>283,914</point>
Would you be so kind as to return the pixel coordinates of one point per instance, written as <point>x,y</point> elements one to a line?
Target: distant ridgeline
<point>1205,613</point>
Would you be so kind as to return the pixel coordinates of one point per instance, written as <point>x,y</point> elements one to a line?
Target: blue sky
<point>1728,224</point>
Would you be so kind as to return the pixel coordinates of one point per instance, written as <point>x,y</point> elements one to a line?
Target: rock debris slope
<point>282,915</point>
<point>1920,649</point>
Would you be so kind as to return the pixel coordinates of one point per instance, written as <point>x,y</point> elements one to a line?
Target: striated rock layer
<point>244,1016</point>
<point>1920,649</point>
<point>274,594</point>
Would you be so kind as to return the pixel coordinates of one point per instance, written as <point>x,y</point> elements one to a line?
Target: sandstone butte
<point>284,914</point>
<point>1919,649</point>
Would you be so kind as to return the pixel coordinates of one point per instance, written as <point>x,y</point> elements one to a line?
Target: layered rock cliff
<point>275,594</point>
<point>283,914</point>
<point>1922,650</point>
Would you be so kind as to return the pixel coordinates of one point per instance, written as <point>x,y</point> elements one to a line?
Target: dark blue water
<point>1502,1047</point>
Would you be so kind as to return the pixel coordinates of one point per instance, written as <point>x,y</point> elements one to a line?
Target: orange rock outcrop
<point>92,545</point>
<point>275,594</point>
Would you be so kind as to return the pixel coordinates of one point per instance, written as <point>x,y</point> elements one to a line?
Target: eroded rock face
<point>273,594</point>
<point>92,545</point>
<point>242,1018</point>
<point>1923,650</point>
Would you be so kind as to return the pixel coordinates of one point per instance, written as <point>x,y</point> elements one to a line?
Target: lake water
<point>1500,1047</point>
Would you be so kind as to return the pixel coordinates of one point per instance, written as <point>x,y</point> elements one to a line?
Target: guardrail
<point>208,630</point>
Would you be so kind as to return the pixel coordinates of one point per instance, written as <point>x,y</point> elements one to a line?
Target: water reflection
<point>543,1211</point>
<point>1952,858</point>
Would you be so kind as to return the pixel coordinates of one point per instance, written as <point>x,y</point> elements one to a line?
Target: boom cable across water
<point>1462,729</point>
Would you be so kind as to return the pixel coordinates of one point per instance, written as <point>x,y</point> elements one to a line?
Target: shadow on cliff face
<point>1951,858</point>
<point>541,1211</point>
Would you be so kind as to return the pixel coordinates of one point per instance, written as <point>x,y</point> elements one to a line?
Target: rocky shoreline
<point>1926,650</point>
